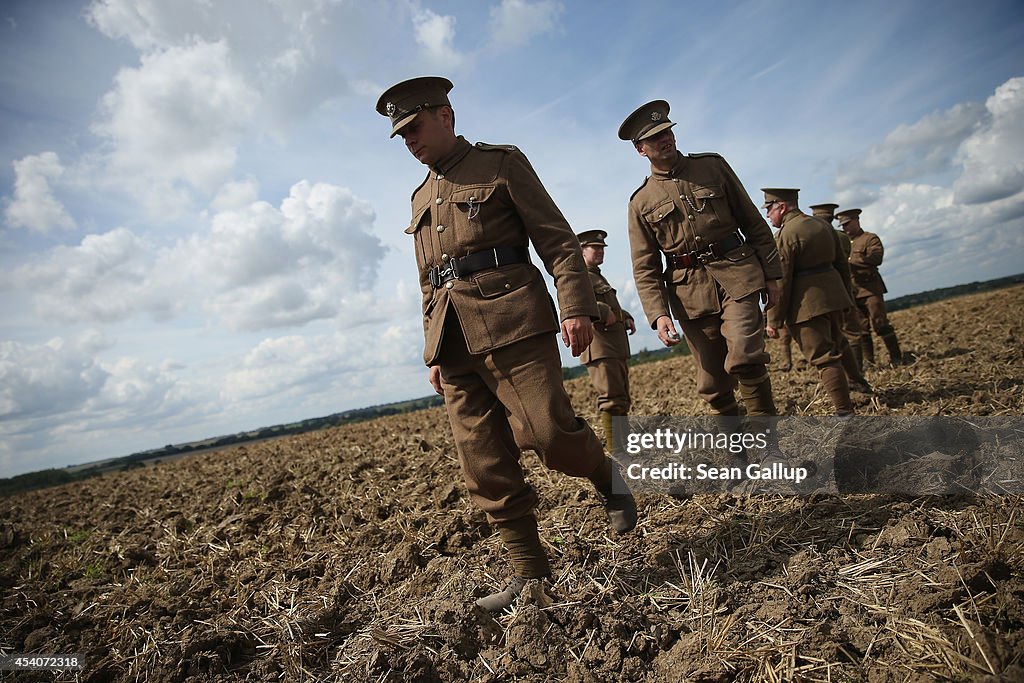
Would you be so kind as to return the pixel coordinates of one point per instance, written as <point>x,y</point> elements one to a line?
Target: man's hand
<point>771,291</point>
<point>667,331</point>
<point>771,332</point>
<point>577,333</point>
<point>435,379</point>
<point>630,326</point>
<point>610,319</point>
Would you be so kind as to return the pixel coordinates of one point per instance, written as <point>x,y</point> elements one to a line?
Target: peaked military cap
<point>592,237</point>
<point>647,121</point>
<point>403,101</point>
<point>780,194</point>
<point>825,210</point>
<point>847,215</point>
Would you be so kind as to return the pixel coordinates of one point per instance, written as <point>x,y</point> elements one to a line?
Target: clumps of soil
<point>354,554</point>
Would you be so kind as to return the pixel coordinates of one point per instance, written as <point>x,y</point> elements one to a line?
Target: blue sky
<point>201,227</point>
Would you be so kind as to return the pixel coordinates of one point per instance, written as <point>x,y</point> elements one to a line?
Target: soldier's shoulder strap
<point>699,155</point>
<point>502,148</point>
<point>642,186</point>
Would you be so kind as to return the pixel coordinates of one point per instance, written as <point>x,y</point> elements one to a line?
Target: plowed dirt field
<point>354,554</point>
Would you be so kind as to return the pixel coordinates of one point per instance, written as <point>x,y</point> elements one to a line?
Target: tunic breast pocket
<point>663,219</point>
<point>711,206</point>
<point>475,209</point>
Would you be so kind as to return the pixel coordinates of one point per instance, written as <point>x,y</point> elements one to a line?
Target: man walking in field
<point>852,325</point>
<point>607,357</point>
<point>703,254</point>
<point>815,290</point>
<point>489,322</point>
<point>866,253</point>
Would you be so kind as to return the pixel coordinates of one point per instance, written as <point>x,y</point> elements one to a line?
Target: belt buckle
<point>434,275</point>
<point>707,256</point>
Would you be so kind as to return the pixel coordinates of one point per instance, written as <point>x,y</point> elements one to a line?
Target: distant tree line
<point>56,477</point>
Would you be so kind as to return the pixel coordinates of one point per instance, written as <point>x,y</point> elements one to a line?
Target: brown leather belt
<point>713,252</point>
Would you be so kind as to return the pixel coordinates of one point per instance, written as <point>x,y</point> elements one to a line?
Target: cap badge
<point>390,108</point>
<point>655,116</point>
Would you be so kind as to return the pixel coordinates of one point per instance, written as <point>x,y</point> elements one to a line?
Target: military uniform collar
<point>791,215</point>
<point>460,150</point>
<point>594,269</point>
<point>676,169</point>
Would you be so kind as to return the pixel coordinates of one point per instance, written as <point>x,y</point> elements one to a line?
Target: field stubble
<point>355,553</point>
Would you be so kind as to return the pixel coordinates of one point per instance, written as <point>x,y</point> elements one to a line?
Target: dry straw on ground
<point>354,554</point>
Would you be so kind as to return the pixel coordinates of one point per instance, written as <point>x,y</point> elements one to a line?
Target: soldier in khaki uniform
<point>866,254</point>
<point>852,327</point>
<point>815,290</point>
<point>785,342</point>
<point>606,359</point>
<point>489,321</point>
<point>703,255</point>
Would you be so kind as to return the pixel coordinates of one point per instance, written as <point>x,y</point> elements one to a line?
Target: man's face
<point>430,135</point>
<point>775,211</point>
<point>593,254</point>
<point>852,227</point>
<point>660,148</point>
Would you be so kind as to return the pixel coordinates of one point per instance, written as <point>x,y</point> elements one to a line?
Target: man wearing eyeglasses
<point>702,254</point>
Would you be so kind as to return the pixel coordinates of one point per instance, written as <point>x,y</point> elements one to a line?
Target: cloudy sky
<point>201,214</point>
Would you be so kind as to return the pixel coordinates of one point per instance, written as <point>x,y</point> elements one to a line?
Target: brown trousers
<point>502,402</point>
<point>872,308</point>
<point>727,345</point>
<point>853,324</point>
<point>820,338</point>
<point>610,377</point>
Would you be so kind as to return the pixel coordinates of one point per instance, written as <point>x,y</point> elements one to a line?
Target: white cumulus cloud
<point>34,205</point>
<point>55,377</point>
<point>515,22</point>
<point>107,277</point>
<point>435,33</point>
<point>177,118</point>
<point>313,257</point>
<point>991,159</point>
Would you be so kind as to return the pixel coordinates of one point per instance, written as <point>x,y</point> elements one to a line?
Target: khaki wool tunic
<point>815,273</point>
<point>492,332</point>
<point>610,341</point>
<point>699,202</point>
<point>607,356</point>
<point>866,254</point>
<point>482,197</point>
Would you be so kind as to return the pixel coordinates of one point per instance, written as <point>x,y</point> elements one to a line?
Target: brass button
<point>440,228</point>
<point>508,285</point>
<point>690,216</point>
<point>439,200</point>
<point>440,176</point>
<point>444,257</point>
<point>698,238</point>
<point>450,285</point>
